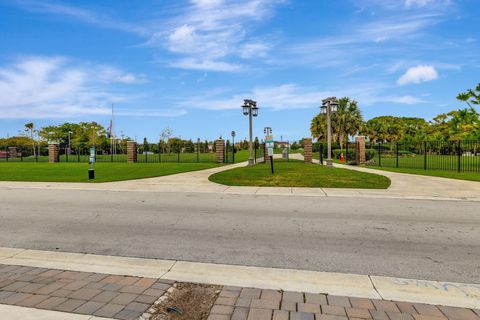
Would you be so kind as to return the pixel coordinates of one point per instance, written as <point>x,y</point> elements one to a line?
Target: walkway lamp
<point>329,106</point>
<point>250,109</point>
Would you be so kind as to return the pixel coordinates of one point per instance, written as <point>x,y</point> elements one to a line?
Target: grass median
<point>104,172</point>
<point>298,174</point>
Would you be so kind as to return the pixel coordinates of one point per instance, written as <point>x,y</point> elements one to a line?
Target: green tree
<point>471,96</point>
<point>30,129</point>
<point>347,121</point>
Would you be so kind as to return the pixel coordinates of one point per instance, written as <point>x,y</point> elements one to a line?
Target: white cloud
<point>39,87</point>
<point>206,65</point>
<point>418,3</point>
<point>421,73</point>
<point>210,32</point>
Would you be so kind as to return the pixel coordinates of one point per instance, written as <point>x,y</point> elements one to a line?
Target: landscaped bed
<point>104,172</point>
<point>298,174</point>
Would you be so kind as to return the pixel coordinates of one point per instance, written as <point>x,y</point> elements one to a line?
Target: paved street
<point>437,240</point>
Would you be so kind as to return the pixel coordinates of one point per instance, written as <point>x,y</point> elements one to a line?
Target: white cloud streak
<point>46,87</point>
<point>418,74</point>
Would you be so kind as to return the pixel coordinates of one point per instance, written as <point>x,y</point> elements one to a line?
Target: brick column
<point>131,151</point>
<point>360,152</point>
<point>53,153</point>
<point>220,150</point>
<point>12,152</point>
<point>307,150</point>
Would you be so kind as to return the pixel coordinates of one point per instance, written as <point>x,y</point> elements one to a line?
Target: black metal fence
<point>460,156</point>
<point>146,153</point>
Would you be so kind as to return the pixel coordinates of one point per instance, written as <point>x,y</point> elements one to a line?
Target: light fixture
<point>255,110</point>
<point>333,106</point>
<point>323,109</point>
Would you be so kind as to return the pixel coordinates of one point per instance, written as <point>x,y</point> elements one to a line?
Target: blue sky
<point>188,65</point>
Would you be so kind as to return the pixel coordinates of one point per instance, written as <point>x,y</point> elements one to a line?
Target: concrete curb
<point>363,286</point>
<point>22,313</point>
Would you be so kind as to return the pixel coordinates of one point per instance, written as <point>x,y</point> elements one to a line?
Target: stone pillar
<point>53,153</point>
<point>12,152</point>
<point>307,150</point>
<point>360,152</point>
<point>131,151</point>
<point>220,150</point>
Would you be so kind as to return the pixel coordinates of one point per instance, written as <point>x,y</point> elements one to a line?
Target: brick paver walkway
<point>254,304</point>
<point>112,296</point>
<point>126,297</point>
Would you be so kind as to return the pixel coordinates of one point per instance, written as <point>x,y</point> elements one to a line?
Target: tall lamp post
<point>328,107</point>
<point>233,146</point>
<point>250,109</point>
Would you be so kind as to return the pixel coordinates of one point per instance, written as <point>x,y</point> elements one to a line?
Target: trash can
<point>91,174</point>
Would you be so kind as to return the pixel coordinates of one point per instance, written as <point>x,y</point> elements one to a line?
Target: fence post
<point>178,156</point>
<point>425,155</point>
<point>346,152</point>
<point>379,155</point>
<point>459,151</point>
<point>396,151</point>
<point>198,150</point>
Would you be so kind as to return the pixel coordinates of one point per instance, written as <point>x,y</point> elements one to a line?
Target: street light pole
<point>250,108</point>
<point>329,106</point>
<point>329,137</point>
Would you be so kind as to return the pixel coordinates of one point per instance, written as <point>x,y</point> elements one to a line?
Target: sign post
<point>91,170</point>
<point>270,144</point>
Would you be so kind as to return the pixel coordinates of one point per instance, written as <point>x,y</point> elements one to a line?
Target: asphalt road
<point>436,240</point>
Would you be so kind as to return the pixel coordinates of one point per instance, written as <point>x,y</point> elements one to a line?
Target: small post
<point>178,156</point>
<point>321,154</point>
<point>271,163</point>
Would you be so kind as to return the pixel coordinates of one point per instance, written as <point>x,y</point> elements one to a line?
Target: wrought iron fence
<point>460,156</point>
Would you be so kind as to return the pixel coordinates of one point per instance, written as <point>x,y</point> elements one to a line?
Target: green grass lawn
<point>104,172</point>
<point>298,174</point>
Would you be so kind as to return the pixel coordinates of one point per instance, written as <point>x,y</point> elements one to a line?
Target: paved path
<point>437,240</point>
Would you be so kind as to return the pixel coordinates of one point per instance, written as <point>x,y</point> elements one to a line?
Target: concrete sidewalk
<point>44,285</point>
<point>404,186</point>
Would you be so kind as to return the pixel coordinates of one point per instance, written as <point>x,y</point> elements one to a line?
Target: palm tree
<point>29,128</point>
<point>347,121</point>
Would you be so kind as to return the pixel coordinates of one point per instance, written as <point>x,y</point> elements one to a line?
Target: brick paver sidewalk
<point>255,304</point>
<point>103,295</point>
<point>126,297</point>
